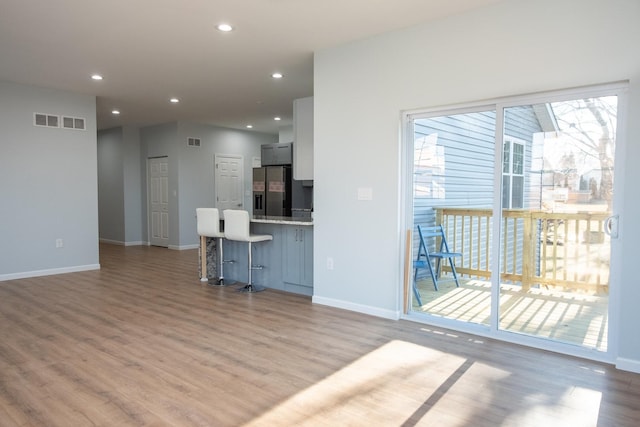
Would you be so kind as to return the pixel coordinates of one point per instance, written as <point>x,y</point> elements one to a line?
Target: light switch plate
<point>365,193</point>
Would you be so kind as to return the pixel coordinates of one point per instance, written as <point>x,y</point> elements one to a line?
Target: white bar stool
<point>208,225</point>
<point>236,227</point>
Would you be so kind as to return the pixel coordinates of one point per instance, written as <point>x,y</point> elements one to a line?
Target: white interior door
<point>229,181</point>
<point>158,179</point>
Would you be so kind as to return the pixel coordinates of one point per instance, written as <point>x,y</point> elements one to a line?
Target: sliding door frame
<point>618,89</point>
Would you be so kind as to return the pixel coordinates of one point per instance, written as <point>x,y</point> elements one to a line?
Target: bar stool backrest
<point>208,222</point>
<point>236,225</point>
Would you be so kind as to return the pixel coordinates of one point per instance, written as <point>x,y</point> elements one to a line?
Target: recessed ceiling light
<point>115,112</point>
<point>276,75</point>
<point>224,28</point>
<point>96,77</point>
<point>276,118</point>
<point>174,100</point>
<point>249,126</point>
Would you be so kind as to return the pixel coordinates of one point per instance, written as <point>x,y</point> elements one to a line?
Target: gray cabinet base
<point>287,260</point>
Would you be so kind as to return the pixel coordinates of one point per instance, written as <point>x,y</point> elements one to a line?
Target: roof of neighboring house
<point>546,118</point>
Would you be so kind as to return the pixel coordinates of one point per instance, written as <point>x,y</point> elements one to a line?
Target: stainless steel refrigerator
<point>272,191</point>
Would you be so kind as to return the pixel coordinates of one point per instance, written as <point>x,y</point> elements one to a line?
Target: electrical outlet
<point>59,243</point>
<point>329,263</point>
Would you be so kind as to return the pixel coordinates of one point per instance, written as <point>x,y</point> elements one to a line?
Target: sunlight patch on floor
<point>383,387</point>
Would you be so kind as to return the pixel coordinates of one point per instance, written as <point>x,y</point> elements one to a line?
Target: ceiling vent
<point>46,120</point>
<point>193,142</point>
<point>73,123</point>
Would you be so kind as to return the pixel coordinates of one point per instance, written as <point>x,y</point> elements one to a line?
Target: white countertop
<point>285,220</point>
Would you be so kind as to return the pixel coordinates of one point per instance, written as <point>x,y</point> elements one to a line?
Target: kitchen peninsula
<point>287,259</point>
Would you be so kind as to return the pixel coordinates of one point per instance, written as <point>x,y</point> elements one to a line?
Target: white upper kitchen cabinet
<point>303,138</point>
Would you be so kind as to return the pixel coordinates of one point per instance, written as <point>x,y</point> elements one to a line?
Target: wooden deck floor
<point>570,317</point>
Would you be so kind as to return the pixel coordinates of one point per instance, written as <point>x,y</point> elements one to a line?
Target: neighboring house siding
<point>467,142</point>
<point>454,160</point>
<point>460,175</point>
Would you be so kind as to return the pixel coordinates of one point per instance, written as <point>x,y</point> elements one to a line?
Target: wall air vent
<point>193,142</point>
<point>53,121</point>
<point>46,120</point>
<point>73,123</point>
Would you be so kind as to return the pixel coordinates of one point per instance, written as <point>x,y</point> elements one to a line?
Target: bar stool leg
<point>221,281</point>
<point>250,287</point>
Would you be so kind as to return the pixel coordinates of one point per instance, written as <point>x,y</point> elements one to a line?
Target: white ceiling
<point>151,50</point>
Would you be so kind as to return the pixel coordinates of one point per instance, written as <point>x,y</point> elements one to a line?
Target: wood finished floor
<point>143,342</point>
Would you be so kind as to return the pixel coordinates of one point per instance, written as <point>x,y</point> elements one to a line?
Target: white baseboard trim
<point>629,365</point>
<point>50,272</point>
<point>172,247</point>
<point>112,242</point>
<point>121,243</point>
<point>366,309</point>
<point>184,247</point>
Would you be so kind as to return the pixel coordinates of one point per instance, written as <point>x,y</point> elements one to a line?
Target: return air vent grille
<point>46,120</point>
<point>54,121</point>
<point>193,142</point>
<point>73,123</point>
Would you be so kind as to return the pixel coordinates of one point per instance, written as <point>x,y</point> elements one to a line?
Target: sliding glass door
<point>557,193</point>
<point>453,174</point>
<point>524,193</point>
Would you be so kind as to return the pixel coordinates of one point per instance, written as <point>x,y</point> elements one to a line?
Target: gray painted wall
<point>132,172</point>
<point>191,170</point>
<point>48,184</point>
<point>110,185</point>
<point>197,172</point>
<point>360,90</point>
<point>285,134</point>
<point>119,185</point>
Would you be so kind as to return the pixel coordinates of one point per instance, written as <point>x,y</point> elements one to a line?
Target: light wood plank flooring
<point>143,342</point>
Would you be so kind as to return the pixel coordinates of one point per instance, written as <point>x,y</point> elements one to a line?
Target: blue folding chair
<point>424,257</point>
